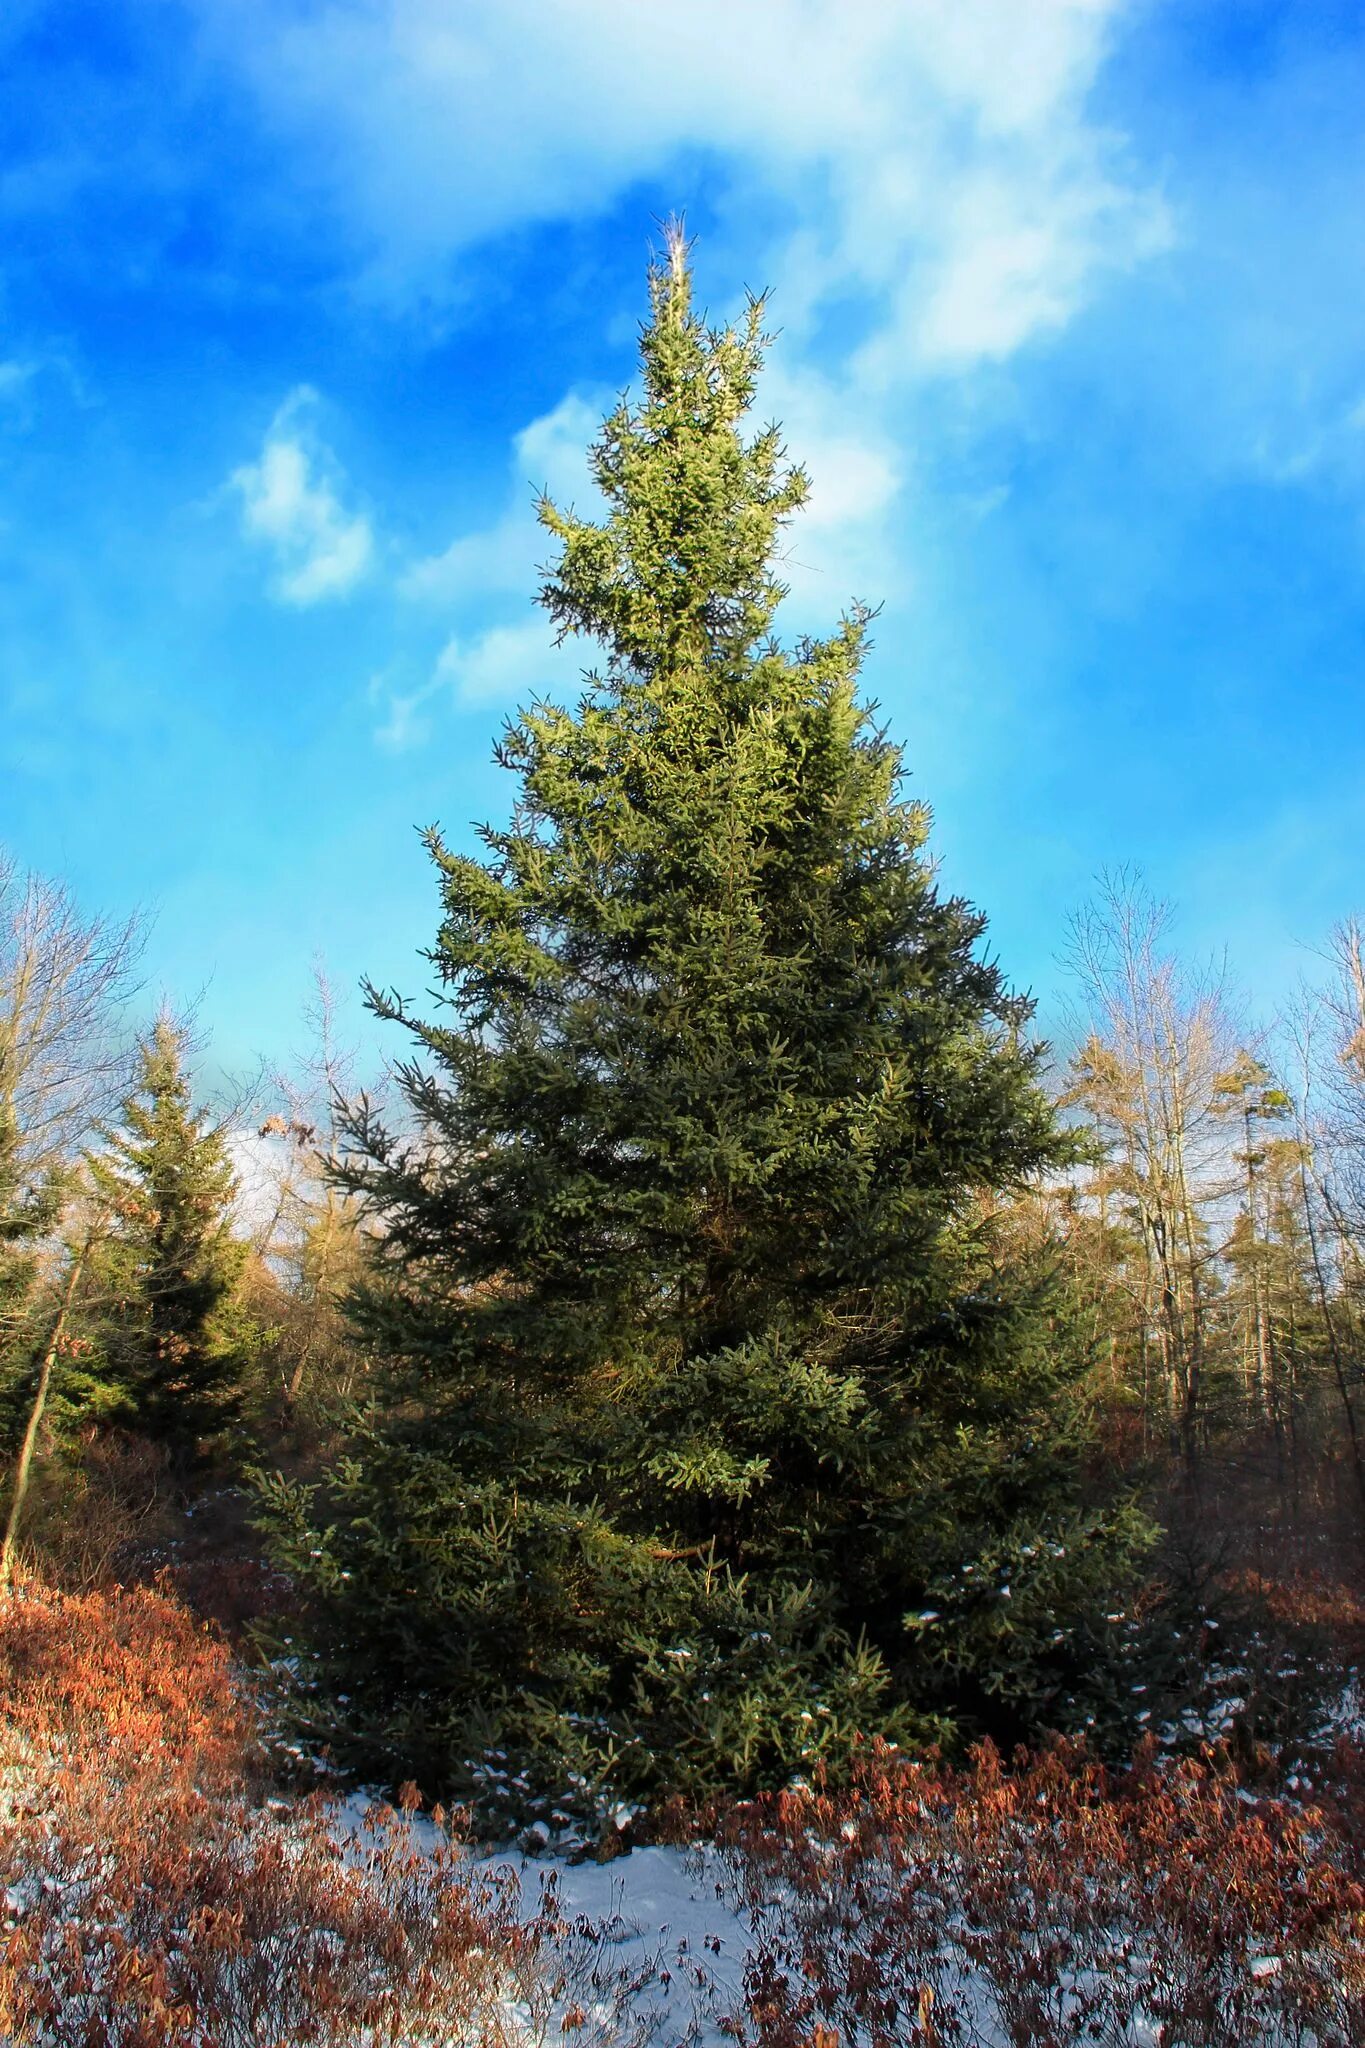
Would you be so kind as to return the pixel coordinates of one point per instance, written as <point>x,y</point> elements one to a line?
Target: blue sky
<point>299,300</point>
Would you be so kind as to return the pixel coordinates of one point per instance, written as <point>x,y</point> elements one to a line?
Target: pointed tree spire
<point>169,1265</point>
<point>680,574</point>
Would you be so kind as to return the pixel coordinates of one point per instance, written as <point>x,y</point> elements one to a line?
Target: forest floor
<point>162,1888</point>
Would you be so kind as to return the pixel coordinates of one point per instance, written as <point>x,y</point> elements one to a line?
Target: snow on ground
<point>661,1953</point>
<point>661,1913</point>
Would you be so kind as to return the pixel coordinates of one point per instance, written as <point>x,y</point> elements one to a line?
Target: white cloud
<point>404,724</point>
<point>935,164</point>
<point>548,455</point>
<point>259,1169</point>
<point>510,664</point>
<point>1015,260</point>
<point>503,665</point>
<point>291,502</point>
<point>839,547</point>
<point>939,155</point>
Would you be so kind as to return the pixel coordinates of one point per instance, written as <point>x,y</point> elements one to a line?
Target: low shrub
<point>101,1504</point>
<point>154,1894</point>
<point>1051,1902</point>
<point>125,1686</point>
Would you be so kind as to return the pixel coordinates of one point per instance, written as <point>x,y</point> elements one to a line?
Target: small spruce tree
<point>721,1432</point>
<point>166,1274</point>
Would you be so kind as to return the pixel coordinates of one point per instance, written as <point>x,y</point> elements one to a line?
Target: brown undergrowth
<point>1050,1902</point>
<point>155,1894</point>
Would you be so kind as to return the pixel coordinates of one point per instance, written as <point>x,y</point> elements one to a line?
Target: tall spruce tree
<point>720,1430</point>
<point>166,1272</point>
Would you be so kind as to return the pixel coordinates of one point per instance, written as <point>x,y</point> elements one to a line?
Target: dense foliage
<point>30,1207</point>
<point>166,1267</point>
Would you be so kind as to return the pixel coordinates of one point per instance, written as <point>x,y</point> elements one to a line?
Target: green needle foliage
<point>172,1340</point>
<point>709,1377</point>
<point>30,1209</point>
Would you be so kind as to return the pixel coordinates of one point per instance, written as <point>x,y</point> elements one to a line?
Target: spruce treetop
<point>165,1156</point>
<point>680,574</point>
<point>710,786</point>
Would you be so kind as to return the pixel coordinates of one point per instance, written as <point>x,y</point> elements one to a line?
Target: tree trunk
<point>1333,1341</point>
<point>24,1465</point>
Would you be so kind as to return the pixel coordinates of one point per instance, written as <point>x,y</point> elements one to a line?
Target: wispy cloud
<point>502,665</point>
<point>494,660</point>
<point>404,722</point>
<point>508,664</point>
<point>937,166</point>
<point>549,455</point>
<point>939,155</point>
<point>292,502</point>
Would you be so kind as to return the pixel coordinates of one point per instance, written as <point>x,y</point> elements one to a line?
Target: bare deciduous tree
<point>1155,1037</point>
<point>64,978</point>
<point>314,1234</point>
